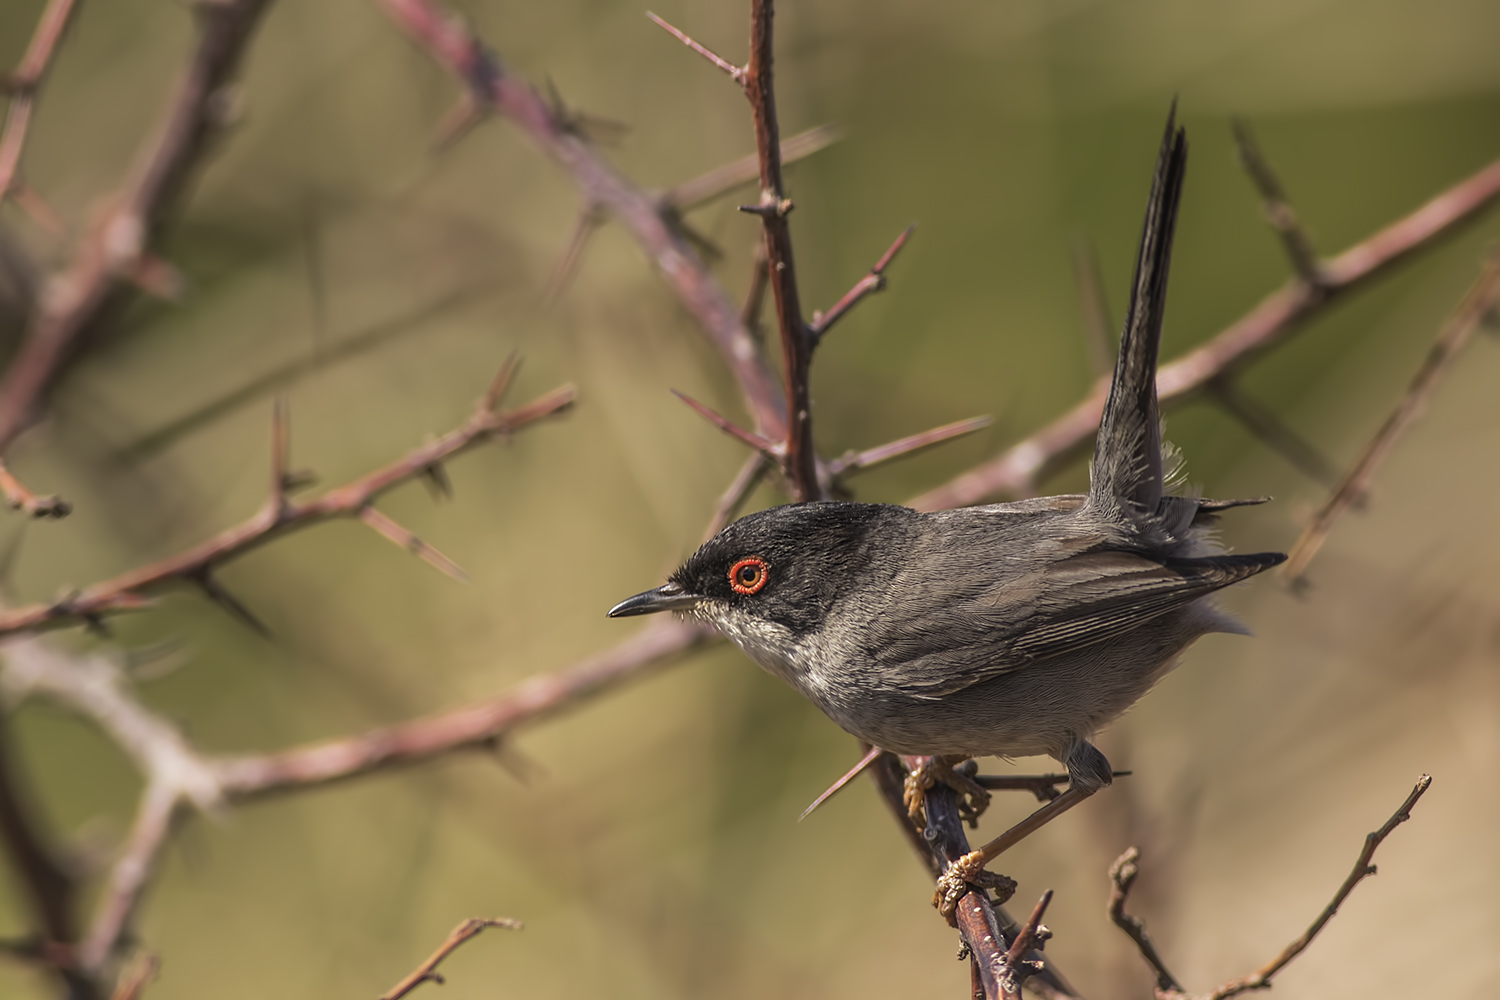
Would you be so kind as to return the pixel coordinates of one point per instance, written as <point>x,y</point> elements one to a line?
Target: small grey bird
<point>1008,630</point>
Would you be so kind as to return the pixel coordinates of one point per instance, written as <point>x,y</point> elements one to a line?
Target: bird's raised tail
<point>1127,470</point>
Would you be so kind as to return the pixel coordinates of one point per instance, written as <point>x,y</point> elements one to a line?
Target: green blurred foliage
<point>652,847</point>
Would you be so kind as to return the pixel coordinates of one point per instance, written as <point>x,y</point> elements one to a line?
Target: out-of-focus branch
<point>20,498</point>
<point>37,872</point>
<point>1479,303</point>
<point>117,250</point>
<point>131,874</point>
<point>427,971</point>
<point>452,45</point>
<point>23,85</point>
<point>279,517</point>
<point>721,180</point>
<point>476,726</point>
<point>1123,873</point>
<point>1278,210</point>
<point>1016,471</point>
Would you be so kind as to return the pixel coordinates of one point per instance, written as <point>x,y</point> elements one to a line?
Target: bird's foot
<point>967,873</point>
<point>973,798</point>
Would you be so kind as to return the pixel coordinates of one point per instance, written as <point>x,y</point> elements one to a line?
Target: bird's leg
<point>969,870</point>
<point>957,772</point>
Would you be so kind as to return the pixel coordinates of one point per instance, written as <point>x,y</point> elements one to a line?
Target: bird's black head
<point>786,565</point>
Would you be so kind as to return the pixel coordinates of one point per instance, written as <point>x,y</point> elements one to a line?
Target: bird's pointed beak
<point>668,597</point>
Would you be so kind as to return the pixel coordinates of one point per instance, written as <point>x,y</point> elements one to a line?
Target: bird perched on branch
<point>1011,629</point>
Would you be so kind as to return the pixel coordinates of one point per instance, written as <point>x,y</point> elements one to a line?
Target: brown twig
<point>475,726</point>
<point>871,283</point>
<point>20,498</point>
<point>127,591</point>
<point>131,874</point>
<point>722,180</point>
<point>1278,210</point>
<point>114,252</point>
<point>1478,303</point>
<point>1015,470</point>
<point>427,971</point>
<point>800,459</point>
<point>738,491</point>
<point>1260,421</point>
<point>24,83</point>
<point>858,461</point>
<point>453,46</point>
<point>1123,873</point>
<point>1017,968</point>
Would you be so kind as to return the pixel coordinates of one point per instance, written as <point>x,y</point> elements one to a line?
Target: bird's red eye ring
<point>749,575</point>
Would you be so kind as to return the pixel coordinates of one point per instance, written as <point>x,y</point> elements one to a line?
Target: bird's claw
<point>968,873</point>
<point>973,798</point>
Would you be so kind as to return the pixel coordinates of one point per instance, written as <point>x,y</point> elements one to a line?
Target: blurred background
<point>650,839</point>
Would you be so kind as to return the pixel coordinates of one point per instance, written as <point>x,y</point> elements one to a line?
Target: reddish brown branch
<point>114,252</point>
<point>1123,873</point>
<point>20,498</point>
<point>127,591</point>
<point>475,726</point>
<point>768,449</point>
<point>1017,968</point>
<point>721,180</point>
<point>859,461</point>
<point>134,980</point>
<point>427,971</point>
<point>130,875</point>
<point>871,283</point>
<point>451,44</point>
<point>24,83</point>
<point>1479,303</point>
<point>1015,471</point>
<point>800,460</point>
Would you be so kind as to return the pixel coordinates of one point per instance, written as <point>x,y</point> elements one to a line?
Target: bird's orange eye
<point>749,575</point>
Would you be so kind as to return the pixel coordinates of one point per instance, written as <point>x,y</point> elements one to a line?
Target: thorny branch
<point>282,515</point>
<point>1017,470</point>
<point>1478,304</point>
<point>427,971</point>
<point>118,249</point>
<point>1123,872</point>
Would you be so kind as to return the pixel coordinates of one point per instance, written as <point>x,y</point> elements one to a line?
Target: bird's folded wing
<point>940,642</point>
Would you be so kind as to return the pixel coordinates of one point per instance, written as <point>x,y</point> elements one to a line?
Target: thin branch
<point>720,181</point>
<point>859,461</point>
<point>871,283</point>
<point>131,875</point>
<point>1123,873</point>
<point>736,73</point>
<point>451,44</point>
<point>20,498</point>
<point>1261,978</point>
<point>24,83</point>
<point>771,451</point>
<point>407,539</point>
<point>1278,210</point>
<point>1017,968</point>
<point>114,250</point>
<point>126,591</point>
<point>427,971</point>
<point>476,726</point>
<point>1478,304</point>
<point>755,295</point>
<point>739,490</point>
<point>800,460</point>
<point>1263,328</point>
<point>1260,421</point>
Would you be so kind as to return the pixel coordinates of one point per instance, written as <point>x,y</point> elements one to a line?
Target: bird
<point>1009,629</point>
